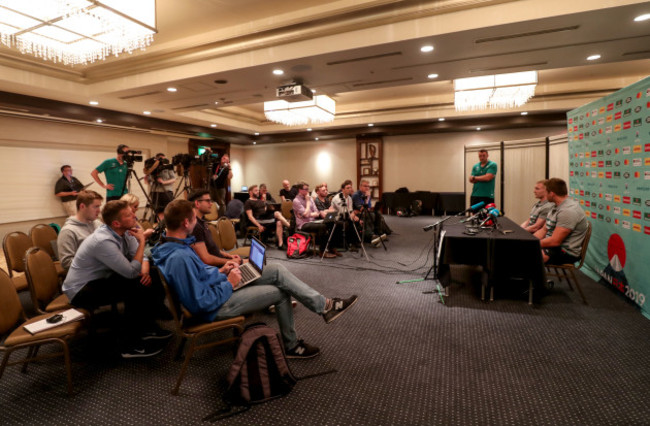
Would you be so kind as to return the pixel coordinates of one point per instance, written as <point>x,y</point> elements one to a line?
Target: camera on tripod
<point>132,157</point>
<point>153,166</point>
<point>185,160</point>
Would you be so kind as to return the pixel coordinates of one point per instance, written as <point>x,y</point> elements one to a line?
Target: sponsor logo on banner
<point>594,112</point>
<point>627,125</point>
<point>601,175</point>
<point>619,103</point>
<point>601,110</point>
<point>617,175</point>
<point>636,214</point>
<point>626,162</point>
<point>618,116</point>
<point>626,175</point>
<point>587,203</point>
<point>637,162</point>
<point>616,221</point>
<point>600,216</point>
<point>647,161</point>
<point>601,120</point>
<point>627,112</point>
<point>570,120</point>
<point>646,216</point>
<point>610,107</point>
<point>647,147</point>
<point>601,164</point>
<point>582,202</point>
<point>646,230</point>
<point>608,219</point>
<point>608,175</point>
<point>637,122</point>
<point>626,200</point>
<point>638,109</point>
<point>636,201</point>
<point>637,149</point>
<point>594,164</point>
<point>594,154</point>
<point>608,163</point>
<point>617,128</point>
<point>637,175</point>
<point>582,193</point>
<point>609,118</point>
<point>626,224</point>
<point>647,175</point>
<point>608,197</point>
<point>627,212</point>
<point>617,210</point>
<point>617,198</point>
<point>571,173</point>
<point>594,215</point>
<point>627,150</point>
<point>636,227</point>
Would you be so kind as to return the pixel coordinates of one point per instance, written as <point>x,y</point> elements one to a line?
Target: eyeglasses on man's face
<point>206,200</point>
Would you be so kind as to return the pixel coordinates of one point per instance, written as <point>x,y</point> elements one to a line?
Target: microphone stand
<point>437,227</point>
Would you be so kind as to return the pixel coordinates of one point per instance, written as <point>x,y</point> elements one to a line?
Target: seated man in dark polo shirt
<point>259,214</point>
<point>205,246</point>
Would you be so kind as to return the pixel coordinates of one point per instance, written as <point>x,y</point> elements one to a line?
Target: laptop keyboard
<point>247,274</point>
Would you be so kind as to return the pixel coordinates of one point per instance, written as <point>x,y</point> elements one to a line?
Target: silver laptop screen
<point>257,254</point>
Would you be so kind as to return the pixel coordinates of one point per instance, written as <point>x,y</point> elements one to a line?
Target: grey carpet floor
<point>401,355</point>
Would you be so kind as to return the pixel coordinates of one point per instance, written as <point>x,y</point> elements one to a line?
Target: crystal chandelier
<point>77,31</point>
<point>494,91</point>
<point>320,109</point>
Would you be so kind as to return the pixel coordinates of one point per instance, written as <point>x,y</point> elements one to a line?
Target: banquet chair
<point>560,271</point>
<point>44,236</point>
<point>15,245</point>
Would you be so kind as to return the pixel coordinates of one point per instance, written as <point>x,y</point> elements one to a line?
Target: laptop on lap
<point>252,270</point>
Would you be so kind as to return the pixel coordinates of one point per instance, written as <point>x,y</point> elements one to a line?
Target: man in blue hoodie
<point>209,294</point>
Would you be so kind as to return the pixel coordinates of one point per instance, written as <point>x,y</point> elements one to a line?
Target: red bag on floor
<point>298,245</point>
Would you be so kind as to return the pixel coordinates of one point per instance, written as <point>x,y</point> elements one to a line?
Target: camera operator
<point>114,170</point>
<point>67,188</point>
<point>161,177</point>
<point>221,175</point>
<point>362,203</point>
<point>342,203</point>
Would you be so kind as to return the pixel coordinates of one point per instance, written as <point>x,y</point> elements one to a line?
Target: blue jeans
<point>276,287</point>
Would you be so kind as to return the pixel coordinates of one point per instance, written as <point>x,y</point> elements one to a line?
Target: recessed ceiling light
<point>426,49</point>
<point>315,139</point>
<point>99,120</point>
<point>313,90</point>
<point>432,76</point>
<point>257,133</point>
<point>309,130</point>
<point>593,57</point>
<point>213,125</point>
<point>524,113</point>
<point>254,143</point>
<point>643,17</point>
<point>93,103</point>
<point>441,119</point>
<point>216,102</point>
<point>146,112</point>
<point>370,124</point>
<point>278,72</point>
<point>478,128</point>
<point>171,89</point>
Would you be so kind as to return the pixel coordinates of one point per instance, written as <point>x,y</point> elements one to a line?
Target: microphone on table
<point>492,216</point>
<point>478,215</point>
<point>473,208</point>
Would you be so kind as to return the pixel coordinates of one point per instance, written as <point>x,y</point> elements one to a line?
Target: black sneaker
<point>140,350</point>
<point>303,351</point>
<point>339,306</point>
<point>156,334</point>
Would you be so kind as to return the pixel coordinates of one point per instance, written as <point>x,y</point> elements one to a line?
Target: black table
<point>443,202</point>
<point>502,256</point>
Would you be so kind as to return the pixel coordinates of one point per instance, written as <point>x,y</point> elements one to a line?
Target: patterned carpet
<point>402,356</point>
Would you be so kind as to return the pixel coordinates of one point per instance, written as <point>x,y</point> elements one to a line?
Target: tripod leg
<point>328,242</point>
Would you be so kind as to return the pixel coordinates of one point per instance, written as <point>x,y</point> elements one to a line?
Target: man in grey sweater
<point>79,226</point>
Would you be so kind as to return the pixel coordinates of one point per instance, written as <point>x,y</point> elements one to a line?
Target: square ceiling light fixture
<point>321,109</point>
<point>494,91</point>
<point>77,31</point>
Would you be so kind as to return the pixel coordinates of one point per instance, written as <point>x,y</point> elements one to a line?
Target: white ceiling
<point>365,54</point>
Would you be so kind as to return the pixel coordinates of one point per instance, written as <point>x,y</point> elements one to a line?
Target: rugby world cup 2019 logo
<point>613,272</point>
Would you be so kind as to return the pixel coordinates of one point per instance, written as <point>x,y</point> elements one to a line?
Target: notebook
<point>42,325</point>
<point>253,269</point>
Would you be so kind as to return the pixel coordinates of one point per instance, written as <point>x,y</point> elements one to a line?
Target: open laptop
<point>253,269</point>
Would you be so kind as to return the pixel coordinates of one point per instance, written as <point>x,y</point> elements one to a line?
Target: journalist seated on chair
<point>308,219</point>
<point>110,267</point>
<point>210,294</point>
<point>205,246</point>
<point>259,214</point>
<point>566,226</point>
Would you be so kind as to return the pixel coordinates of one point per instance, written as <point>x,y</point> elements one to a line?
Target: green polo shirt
<point>115,173</point>
<point>484,189</point>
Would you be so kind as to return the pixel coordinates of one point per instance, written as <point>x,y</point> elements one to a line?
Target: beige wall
<point>31,161</point>
<point>32,151</point>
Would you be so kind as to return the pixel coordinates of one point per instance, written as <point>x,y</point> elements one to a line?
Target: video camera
<point>132,157</point>
<point>185,160</point>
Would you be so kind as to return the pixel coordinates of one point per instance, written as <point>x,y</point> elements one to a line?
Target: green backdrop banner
<point>609,168</point>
